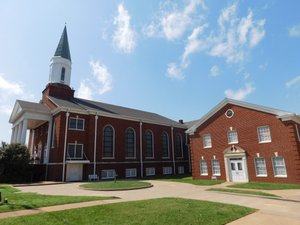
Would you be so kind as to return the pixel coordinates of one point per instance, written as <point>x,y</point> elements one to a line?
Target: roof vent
<point>181,121</point>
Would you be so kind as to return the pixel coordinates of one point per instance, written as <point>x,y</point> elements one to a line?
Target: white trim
<point>297,131</point>
<point>108,174</point>
<point>95,145</point>
<point>65,146</point>
<point>226,101</point>
<point>167,170</point>
<point>77,119</point>
<point>279,176</point>
<point>150,171</point>
<point>130,172</point>
<point>237,137</point>
<point>260,175</point>
<point>203,142</point>
<point>75,146</point>
<point>200,167</point>
<point>212,168</point>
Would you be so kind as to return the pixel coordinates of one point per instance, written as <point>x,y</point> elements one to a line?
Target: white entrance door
<point>74,172</point>
<point>237,168</point>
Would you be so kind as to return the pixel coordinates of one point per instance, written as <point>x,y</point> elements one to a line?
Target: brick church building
<point>71,139</point>
<point>240,142</point>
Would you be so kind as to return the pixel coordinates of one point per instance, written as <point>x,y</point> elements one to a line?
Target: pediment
<point>234,149</point>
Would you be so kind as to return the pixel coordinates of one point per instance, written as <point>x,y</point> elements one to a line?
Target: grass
<point>173,211</point>
<point>260,193</point>
<point>265,186</point>
<point>19,200</point>
<point>189,180</point>
<point>118,185</point>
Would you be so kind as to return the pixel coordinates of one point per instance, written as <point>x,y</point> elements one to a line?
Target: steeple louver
<point>62,49</point>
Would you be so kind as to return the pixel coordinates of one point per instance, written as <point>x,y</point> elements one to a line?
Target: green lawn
<point>20,200</point>
<point>265,186</point>
<point>112,185</point>
<point>189,179</point>
<point>165,211</point>
<point>243,192</point>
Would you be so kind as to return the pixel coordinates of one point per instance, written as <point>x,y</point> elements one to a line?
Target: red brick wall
<point>119,163</point>
<point>246,121</point>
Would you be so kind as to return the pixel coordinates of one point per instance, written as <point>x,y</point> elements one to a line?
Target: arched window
<point>149,144</point>
<point>178,145</point>
<point>165,145</point>
<point>62,74</point>
<point>130,143</point>
<point>108,142</point>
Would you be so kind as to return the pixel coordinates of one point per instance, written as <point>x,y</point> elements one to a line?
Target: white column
<point>48,141</point>
<point>12,135</point>
<point>19,133</point>
<point>65,146</point>
<point>24,131</point>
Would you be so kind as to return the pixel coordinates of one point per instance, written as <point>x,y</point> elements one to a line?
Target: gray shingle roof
<point>33,107</point>
<point>114,110</point>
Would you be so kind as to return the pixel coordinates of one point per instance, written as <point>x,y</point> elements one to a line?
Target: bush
<point>14,163</point>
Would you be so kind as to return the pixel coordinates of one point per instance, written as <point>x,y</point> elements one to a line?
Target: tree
<point>14,163</point>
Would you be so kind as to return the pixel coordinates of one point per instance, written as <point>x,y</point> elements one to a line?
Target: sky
<point>175,58</point>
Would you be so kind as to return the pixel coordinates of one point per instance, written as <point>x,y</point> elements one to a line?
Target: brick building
<point>72,138</point>
<point>241,142</point>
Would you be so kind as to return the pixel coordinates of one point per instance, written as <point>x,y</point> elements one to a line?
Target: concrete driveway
<point>270,211</point>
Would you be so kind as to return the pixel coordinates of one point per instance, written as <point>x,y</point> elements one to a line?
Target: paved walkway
<point>270,211</point>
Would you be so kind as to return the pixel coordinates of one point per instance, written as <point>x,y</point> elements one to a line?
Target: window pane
<point>260,166</point>
<point>216,167</point>
<point>71,151</point>
<point>232,137</point>
<point>207,141</point>
<point>179,145</point>
<point>279,166</point>
<point>72,123</point>
<point>165,145</point>
<point>203,167</point>
<point>149,144</point>
<point>80,124</point>
<point>108,139</point>
<point>78,153</point>
<point>130,143</point>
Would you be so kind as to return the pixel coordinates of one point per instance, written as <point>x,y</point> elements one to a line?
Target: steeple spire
<point>62,49</point>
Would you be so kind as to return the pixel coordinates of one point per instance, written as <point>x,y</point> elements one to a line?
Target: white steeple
<point>60,64</point>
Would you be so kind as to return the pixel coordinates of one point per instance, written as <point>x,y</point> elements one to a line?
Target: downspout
<point>48,146</point>
<point>95,142</point>
<point>141,149</point>
<point>172,138</point>
<point>65,146</point>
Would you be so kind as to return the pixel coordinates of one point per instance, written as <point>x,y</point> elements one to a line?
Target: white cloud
<point>215,71</point>
<point>194,44</point>
<point>294,31</point>
<point>236,36</point>
<point>10,87</point>
<point>9,92</point>
<point>173,23</point>
<point>292,82</point>
<point>102,75</point>
<point>241,93</point>
<point>85,90</point>
<point>124,37</point>
<point>174,71</point>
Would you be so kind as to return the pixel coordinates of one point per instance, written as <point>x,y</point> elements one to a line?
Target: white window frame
<point>201,168</point>
<point>205,144</point>
<point>230,135</point>
<point>260,137</point>
<point>262,166</point>
<point>180,169</point>
<point>150,171</point>
<point>274,169</point>
<point>75,146</point>
<point>167,170</point>
<point>214,169</point>
<point>77,119</point>
<point>108,174</point>
<point>130,172</point>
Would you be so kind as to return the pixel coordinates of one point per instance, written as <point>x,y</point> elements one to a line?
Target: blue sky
<point>175,58</point>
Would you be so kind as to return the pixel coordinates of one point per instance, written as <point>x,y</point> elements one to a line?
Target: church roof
<point>63,46</point>
<point>114,111</point>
